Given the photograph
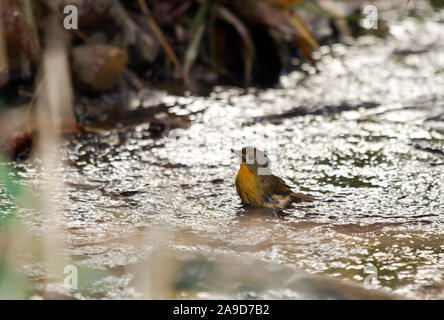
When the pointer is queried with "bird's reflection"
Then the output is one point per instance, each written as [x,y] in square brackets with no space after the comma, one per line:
[245,212]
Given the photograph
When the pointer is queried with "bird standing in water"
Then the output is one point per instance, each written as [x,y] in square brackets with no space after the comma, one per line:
[258,187]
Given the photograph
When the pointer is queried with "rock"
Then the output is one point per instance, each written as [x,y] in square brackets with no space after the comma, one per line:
[20,146]
[19,38]
[99,66]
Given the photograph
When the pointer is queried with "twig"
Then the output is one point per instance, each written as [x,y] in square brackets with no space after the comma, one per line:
[129,26]
[242,30]
[133,79]
[169,51]
[198,28]
[34,96]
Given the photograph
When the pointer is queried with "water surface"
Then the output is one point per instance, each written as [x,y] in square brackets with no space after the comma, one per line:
[364,134]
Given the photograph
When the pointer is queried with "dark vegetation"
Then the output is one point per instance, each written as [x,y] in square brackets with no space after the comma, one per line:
[127,46]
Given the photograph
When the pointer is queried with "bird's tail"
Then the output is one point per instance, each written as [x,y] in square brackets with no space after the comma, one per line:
[299,197]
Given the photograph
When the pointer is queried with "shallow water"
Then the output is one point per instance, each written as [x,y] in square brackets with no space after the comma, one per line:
[378,173]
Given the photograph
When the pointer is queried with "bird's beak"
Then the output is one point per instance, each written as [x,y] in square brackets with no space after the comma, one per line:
[237,152]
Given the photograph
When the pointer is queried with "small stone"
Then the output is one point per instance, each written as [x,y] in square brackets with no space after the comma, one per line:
[99,66]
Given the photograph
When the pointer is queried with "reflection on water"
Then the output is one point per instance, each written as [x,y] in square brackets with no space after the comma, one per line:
[377,171]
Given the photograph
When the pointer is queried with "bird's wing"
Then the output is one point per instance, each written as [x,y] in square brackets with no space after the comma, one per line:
[276,186]
[280,185]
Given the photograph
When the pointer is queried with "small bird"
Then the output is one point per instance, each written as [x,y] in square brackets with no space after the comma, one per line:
[258,187]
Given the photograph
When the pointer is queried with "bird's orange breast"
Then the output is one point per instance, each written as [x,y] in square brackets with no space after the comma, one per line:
[248,186]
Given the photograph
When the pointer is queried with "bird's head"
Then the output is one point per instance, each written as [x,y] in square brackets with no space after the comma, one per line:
[253,158]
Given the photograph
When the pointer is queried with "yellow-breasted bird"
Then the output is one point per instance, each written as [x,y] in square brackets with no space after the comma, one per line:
[257,186]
